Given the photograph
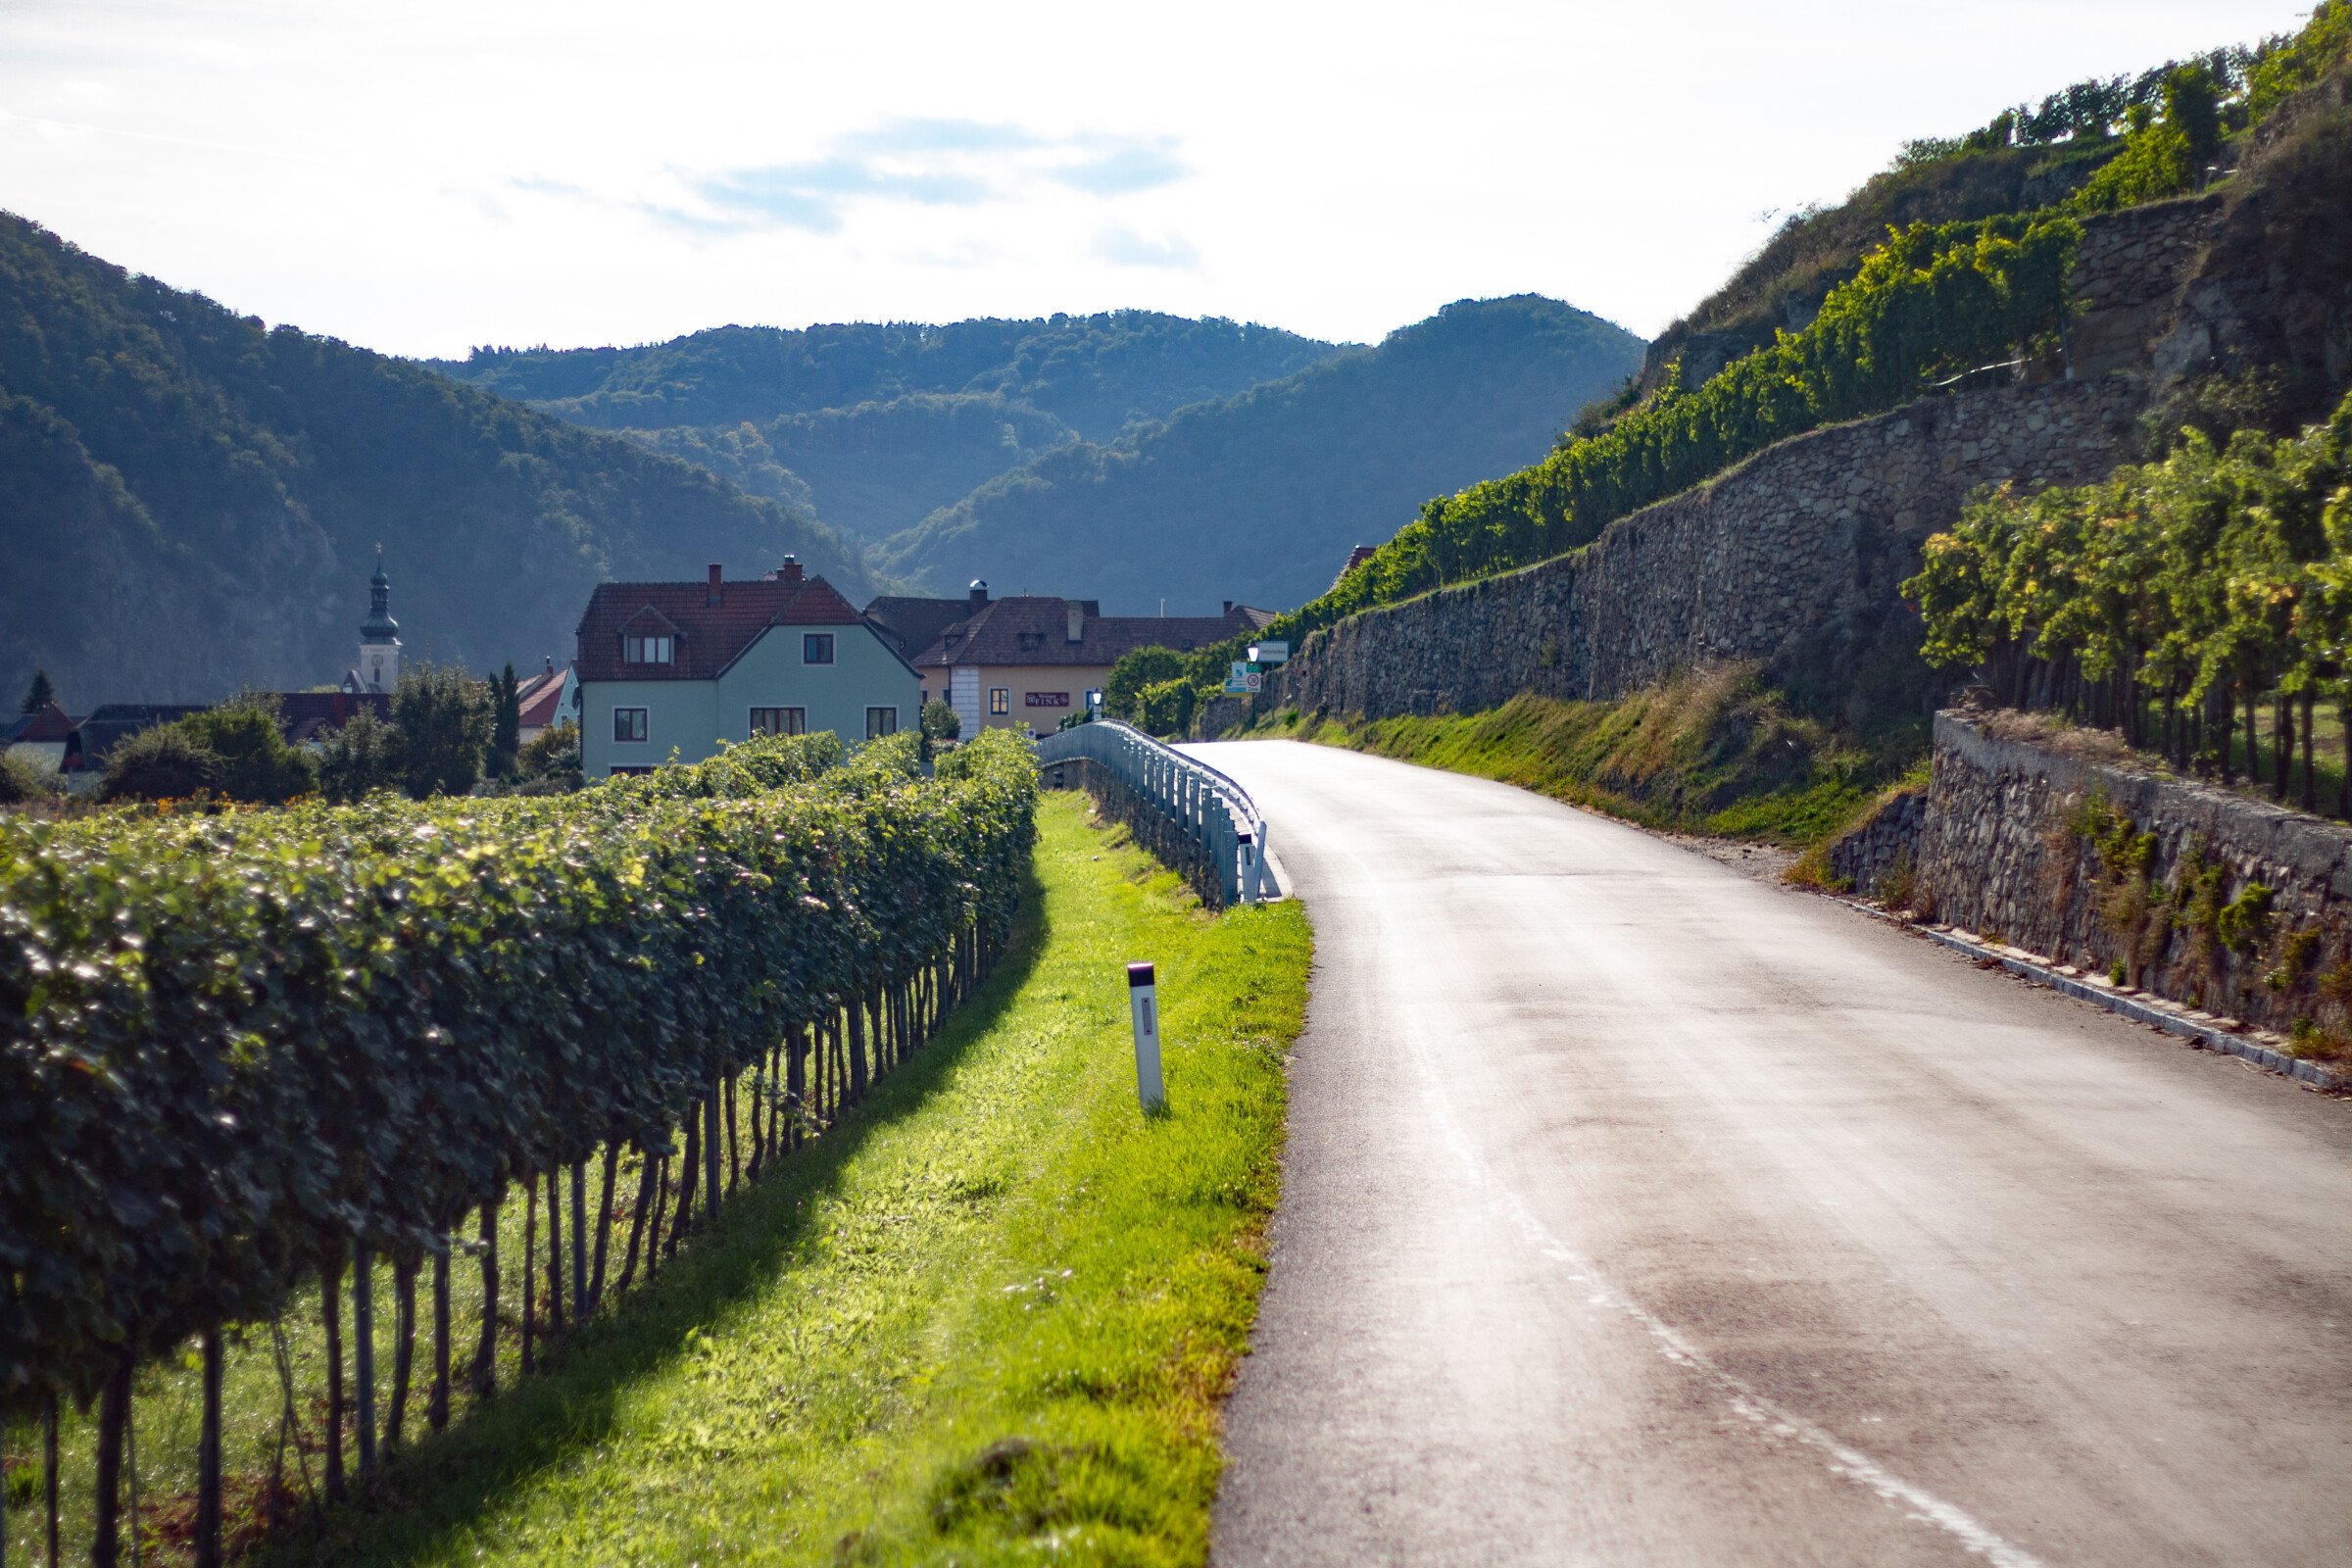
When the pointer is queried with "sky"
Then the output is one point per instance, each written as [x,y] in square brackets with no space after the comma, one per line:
[424,176]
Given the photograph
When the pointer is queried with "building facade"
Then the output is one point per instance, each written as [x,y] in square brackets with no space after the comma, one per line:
[668,670]
[1028,663]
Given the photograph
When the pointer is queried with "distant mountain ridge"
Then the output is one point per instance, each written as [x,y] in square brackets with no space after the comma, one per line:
[1259,497]
[1110,457]
[190,502]
[874,426]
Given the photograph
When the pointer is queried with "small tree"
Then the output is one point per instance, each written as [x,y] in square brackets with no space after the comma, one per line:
[941,721]
[40,694]
[364,756]
[1164,708]
[444,715]
[1135,671]
[505,724]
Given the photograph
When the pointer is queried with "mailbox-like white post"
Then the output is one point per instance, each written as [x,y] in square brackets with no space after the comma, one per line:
[1143,1005]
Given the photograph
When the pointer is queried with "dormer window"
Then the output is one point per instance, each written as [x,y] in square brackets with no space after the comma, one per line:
[636,650]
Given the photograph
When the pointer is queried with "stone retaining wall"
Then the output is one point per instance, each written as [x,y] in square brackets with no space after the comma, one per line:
[1879,855]
[2055,842]
[1791,559]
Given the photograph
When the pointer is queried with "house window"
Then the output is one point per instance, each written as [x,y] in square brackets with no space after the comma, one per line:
[999,699]
[628,723]
[635,650]
[881,721]
[630,772]
[779,721]
[816,648]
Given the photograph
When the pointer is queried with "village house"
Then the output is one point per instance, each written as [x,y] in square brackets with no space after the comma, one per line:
[539,701]
[1031,660]
[672,668]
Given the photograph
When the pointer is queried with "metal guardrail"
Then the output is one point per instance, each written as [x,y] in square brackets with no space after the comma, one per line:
[1202,807]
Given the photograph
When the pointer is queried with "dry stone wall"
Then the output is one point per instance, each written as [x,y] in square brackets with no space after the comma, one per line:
[2057,844]
[1791,559]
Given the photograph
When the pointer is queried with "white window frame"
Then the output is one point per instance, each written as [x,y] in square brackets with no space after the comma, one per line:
[786,718]
[656,648]
[644,725]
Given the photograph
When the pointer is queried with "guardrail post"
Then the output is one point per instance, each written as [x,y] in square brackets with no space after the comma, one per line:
[1229,872]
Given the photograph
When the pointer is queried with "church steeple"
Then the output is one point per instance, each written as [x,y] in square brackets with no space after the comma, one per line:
[379,634]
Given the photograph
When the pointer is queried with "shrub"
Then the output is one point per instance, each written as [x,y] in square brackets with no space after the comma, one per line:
[364,756]
[163,764]
[551,755]
[256,761]
[21,781]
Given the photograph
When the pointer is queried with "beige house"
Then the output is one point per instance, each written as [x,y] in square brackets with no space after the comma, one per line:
[1032,660]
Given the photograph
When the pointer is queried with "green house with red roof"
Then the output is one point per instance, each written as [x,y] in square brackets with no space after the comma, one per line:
[667,671]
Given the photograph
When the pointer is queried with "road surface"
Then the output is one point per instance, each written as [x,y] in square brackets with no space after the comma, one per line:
[1638,1213]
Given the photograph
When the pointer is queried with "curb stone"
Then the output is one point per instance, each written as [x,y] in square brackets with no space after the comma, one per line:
[2189,1026]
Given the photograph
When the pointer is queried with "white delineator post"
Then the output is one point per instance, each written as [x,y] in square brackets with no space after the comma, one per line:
[1142,1005]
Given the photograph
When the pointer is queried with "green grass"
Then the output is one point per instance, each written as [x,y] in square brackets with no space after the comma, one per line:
[988,1318]
[1713,752]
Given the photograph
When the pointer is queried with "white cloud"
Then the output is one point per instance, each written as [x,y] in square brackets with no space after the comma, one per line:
[444,173]
[1124,247]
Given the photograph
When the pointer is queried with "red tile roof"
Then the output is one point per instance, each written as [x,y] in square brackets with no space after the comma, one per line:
[540,697]
[48,723]
[1036,630]
[1355,557]
[709,637]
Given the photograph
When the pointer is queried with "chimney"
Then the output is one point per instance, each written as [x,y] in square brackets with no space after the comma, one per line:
[978,594]
[1227,607]
[551,664]
[710,598]
[1077,619]
[790,573]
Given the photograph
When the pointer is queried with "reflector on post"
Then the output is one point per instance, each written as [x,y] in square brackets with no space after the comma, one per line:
[1142,1005]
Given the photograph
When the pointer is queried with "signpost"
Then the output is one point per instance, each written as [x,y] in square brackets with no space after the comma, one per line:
[1245,677]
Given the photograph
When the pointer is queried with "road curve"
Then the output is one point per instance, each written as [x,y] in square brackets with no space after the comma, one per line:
[1638,1213]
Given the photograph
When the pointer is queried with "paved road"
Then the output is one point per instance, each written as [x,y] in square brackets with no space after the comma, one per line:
[1637,1212]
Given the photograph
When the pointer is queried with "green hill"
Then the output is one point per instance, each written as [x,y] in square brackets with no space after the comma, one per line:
[1259,497]
[192,501]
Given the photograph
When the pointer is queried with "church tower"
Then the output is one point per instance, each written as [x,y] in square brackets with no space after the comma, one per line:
[379,634]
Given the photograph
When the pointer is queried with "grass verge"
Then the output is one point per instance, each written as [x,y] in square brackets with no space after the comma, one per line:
[989,1319]
[1712,750]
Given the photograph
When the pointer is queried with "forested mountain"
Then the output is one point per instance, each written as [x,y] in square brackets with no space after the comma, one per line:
[1259,497]
[876,426]
[872,469]
[190,502]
